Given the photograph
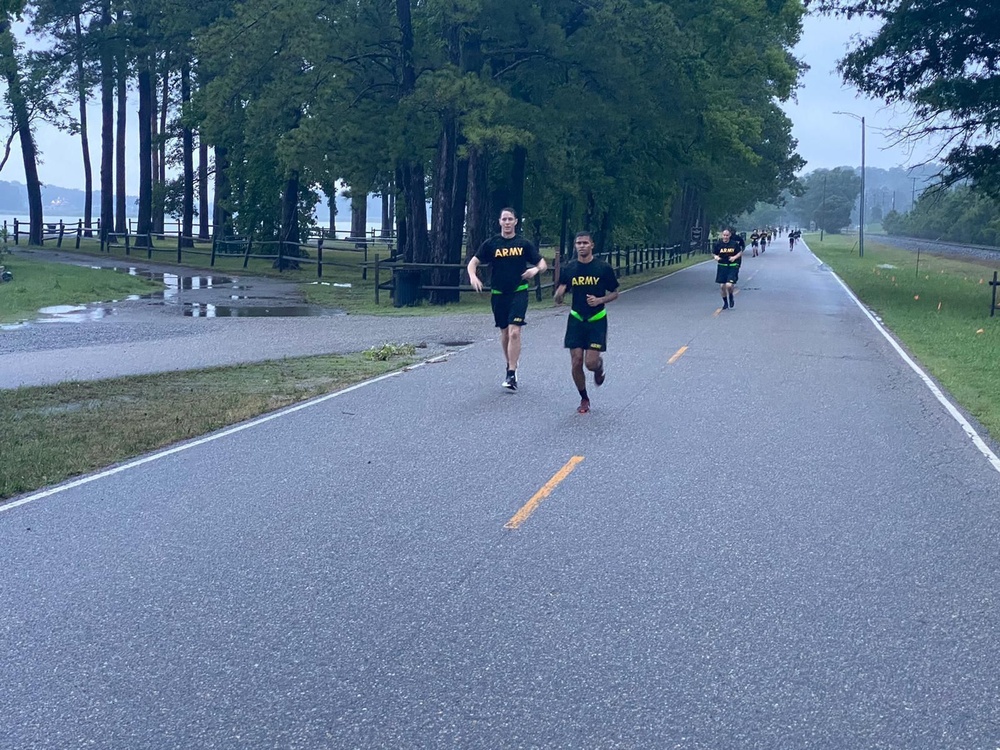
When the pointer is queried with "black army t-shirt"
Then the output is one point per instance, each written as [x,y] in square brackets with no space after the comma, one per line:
[508,258]
[726,250]
[597,278]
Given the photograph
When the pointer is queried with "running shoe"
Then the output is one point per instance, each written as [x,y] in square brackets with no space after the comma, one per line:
[510,383]
[584,406]
[599,376]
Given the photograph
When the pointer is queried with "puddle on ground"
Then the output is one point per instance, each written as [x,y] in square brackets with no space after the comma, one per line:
[73,314]
[197,310]
[175,281]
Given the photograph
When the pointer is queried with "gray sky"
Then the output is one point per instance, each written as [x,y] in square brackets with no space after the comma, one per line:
[825,140]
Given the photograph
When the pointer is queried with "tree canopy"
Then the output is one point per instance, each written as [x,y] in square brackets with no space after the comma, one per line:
[635,119]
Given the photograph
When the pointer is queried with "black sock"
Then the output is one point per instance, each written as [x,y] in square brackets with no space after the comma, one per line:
[583,394]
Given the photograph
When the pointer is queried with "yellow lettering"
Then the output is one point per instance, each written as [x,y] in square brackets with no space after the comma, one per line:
[586,280]
[509,252]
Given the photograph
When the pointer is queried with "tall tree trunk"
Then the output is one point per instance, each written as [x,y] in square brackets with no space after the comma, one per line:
[120,122]
[107,123]
[442,217]
[402,248]
[160,150]
[19,108]
[359,212]
[477,222]
[386,230]
[517,176]
[331,202]
[675,229]
[221,217]
[144,222]
[289,233]
[159,188]
[412,172]
[203,230]
[187,145]
[81,87]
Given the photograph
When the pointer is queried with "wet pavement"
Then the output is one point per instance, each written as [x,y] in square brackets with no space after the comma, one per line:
[191,292]
[200,320]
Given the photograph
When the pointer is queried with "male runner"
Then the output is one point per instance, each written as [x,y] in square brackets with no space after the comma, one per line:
[515,261]
[754,242]
[727,254]
[594,284]
[763,242]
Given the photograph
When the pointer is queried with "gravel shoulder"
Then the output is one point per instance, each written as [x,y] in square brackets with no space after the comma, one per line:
[952,249]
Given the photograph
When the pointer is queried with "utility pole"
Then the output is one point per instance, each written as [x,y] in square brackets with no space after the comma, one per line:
[822,225]
[861,211]
[861,240]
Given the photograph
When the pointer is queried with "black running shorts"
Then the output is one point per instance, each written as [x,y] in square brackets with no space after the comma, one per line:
[581,334]
[727,274]
[510,309]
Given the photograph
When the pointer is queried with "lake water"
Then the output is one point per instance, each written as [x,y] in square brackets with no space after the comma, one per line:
[343,227]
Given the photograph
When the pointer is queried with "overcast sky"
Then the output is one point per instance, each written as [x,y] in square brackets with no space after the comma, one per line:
[825,140]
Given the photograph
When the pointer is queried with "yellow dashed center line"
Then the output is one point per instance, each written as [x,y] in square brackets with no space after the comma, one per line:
[677,355]
[529,507]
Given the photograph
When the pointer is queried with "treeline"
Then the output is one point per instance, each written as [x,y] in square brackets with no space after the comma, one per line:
[636,119]
[962,214]
[830,199]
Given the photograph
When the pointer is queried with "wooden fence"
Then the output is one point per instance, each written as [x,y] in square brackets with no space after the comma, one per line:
[626,261]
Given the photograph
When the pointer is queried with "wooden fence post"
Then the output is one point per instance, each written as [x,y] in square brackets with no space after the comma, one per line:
[376,278]
[994,284]
[319,257]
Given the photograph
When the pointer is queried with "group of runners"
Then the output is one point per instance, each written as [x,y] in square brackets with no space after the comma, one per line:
[590,281]
[591,284]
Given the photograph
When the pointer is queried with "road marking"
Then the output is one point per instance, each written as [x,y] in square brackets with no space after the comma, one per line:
[529,507]
[677,355]
[931,385]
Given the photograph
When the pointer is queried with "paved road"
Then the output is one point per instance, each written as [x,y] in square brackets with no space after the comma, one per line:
[779,540]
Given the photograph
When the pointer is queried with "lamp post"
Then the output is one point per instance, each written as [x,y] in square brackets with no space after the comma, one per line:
[861,211]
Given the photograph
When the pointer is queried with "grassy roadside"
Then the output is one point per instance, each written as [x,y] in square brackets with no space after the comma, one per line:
[49,434]
[939,310]
[39,284]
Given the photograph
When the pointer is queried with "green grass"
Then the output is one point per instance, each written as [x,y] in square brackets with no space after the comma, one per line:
[40,284]
[52,433]
[940,311]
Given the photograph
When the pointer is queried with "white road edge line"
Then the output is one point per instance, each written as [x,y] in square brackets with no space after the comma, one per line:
[201,441]
[931,385]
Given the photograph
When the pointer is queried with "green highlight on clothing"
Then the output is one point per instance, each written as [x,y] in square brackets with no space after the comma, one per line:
[591,319]
[522,288]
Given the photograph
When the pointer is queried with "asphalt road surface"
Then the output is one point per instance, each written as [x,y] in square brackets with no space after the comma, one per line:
[768,533]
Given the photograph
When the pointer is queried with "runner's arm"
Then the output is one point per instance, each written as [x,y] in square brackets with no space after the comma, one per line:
[474,279]
[560,293]
[539,267]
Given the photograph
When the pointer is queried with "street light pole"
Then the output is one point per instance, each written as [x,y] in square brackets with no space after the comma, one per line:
[861,211]
[861,236]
